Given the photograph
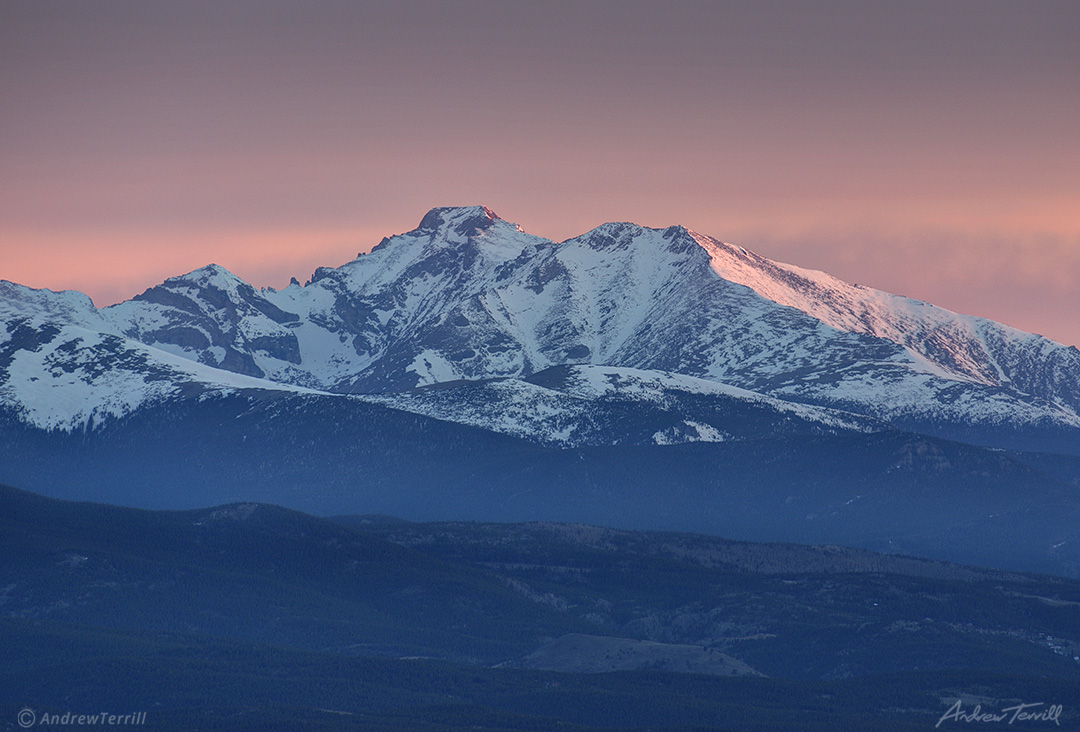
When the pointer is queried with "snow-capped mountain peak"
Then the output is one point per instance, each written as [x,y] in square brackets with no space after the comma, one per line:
[469,295]
[211,275]
[464,221]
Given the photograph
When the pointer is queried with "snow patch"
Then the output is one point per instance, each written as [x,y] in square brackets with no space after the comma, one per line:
[432,367]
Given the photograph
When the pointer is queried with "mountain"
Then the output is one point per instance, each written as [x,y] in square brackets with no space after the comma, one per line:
[469,296]
[644,378]
[250,616]
[776,607]
[257,573]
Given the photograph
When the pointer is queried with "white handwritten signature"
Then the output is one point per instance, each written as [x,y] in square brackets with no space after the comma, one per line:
[1020,712]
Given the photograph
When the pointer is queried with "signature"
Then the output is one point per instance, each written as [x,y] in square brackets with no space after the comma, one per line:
[1017,713]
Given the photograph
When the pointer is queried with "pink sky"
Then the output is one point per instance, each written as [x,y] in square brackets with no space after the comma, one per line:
[925,148]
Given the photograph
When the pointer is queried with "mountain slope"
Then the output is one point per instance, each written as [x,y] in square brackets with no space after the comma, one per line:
[212,316]
[960,346]
[573,406]
[57,376]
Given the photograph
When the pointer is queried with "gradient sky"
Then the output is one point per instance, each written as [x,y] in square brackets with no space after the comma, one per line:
[926,148]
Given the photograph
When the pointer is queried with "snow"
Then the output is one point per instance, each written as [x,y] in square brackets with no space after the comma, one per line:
[186,353]
[432,368]
[63,385]
[573,414]
[701,433]
[18,302]
[510,406]
[52,399]
[386,264]
[142,317]
[656,387]
[212,275]
[616,294]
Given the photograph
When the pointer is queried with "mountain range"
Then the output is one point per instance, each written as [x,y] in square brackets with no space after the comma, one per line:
[634,377]
[254,617]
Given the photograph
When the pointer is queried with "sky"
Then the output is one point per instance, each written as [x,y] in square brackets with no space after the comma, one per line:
[930,149]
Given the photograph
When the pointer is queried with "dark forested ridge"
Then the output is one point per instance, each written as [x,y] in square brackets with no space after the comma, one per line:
[889,491]
[250,616]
